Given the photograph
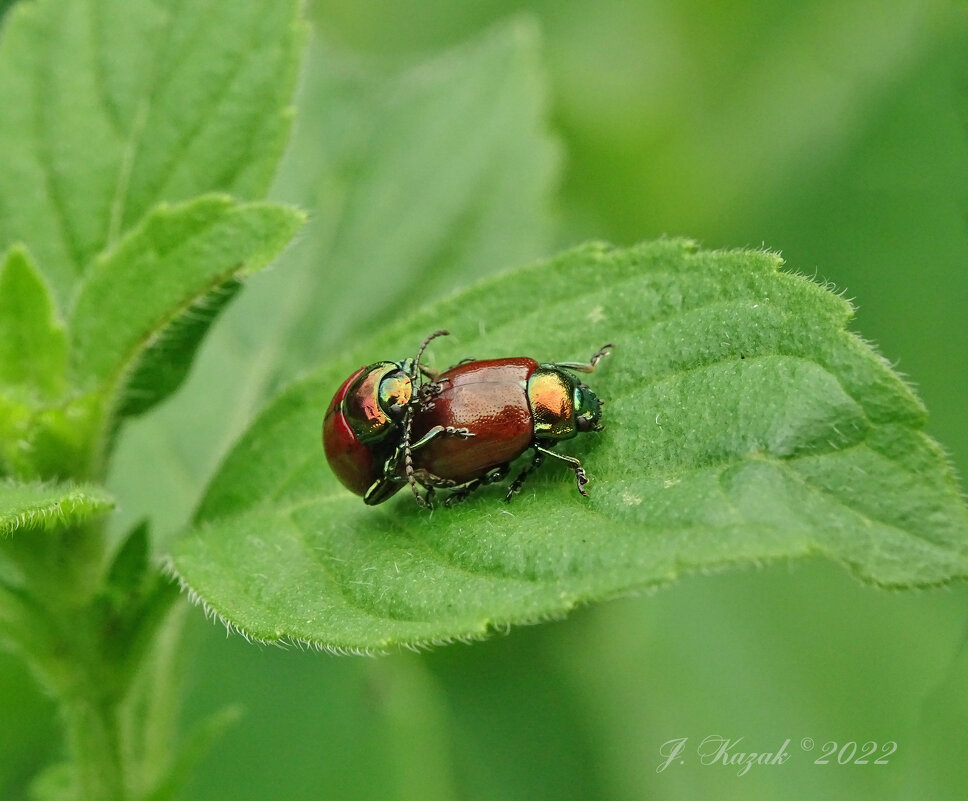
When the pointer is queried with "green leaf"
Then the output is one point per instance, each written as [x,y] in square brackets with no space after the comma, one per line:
[743,424]
[146,288]
[165,363]
[112,106]
[33,345]
[37,506]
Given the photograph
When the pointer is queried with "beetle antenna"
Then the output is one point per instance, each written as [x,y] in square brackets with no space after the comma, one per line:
[415,370]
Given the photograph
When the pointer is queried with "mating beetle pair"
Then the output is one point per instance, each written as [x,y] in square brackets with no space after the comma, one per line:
[458,429]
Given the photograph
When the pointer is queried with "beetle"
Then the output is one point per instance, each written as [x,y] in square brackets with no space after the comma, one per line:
[459,429]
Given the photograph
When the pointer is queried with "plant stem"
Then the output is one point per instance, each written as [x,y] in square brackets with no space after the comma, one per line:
[104,648]
[95,748]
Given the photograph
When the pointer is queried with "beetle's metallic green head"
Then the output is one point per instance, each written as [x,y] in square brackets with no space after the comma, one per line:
[588,409]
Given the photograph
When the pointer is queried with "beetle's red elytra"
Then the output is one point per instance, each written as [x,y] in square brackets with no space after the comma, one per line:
[396,423]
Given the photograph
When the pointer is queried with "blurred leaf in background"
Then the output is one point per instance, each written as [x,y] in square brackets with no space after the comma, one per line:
[29,731]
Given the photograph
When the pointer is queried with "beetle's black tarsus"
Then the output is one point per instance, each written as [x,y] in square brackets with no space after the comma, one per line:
[536,460]
[461,491]
[580,476]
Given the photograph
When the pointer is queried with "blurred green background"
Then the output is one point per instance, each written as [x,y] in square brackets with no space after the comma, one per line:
[834,131]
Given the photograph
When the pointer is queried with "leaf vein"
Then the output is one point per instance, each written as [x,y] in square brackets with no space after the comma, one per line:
[210,114]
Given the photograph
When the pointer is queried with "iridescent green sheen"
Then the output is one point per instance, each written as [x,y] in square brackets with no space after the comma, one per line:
[375,402]
[552,394]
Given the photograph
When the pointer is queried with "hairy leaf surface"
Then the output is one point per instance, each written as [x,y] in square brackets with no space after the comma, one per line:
[29,506]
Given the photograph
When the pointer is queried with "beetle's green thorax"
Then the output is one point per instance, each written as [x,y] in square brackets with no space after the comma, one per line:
[375,403]
[561,405]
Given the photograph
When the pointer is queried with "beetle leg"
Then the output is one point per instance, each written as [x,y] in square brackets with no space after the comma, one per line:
[430,483]
[437,431]
[434,388]
[580,475]
[381,489]
[581,367]
[404,452]
[496,474]
[461,491]
[430,480]
[426,480]
[537,459]
[427,393]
